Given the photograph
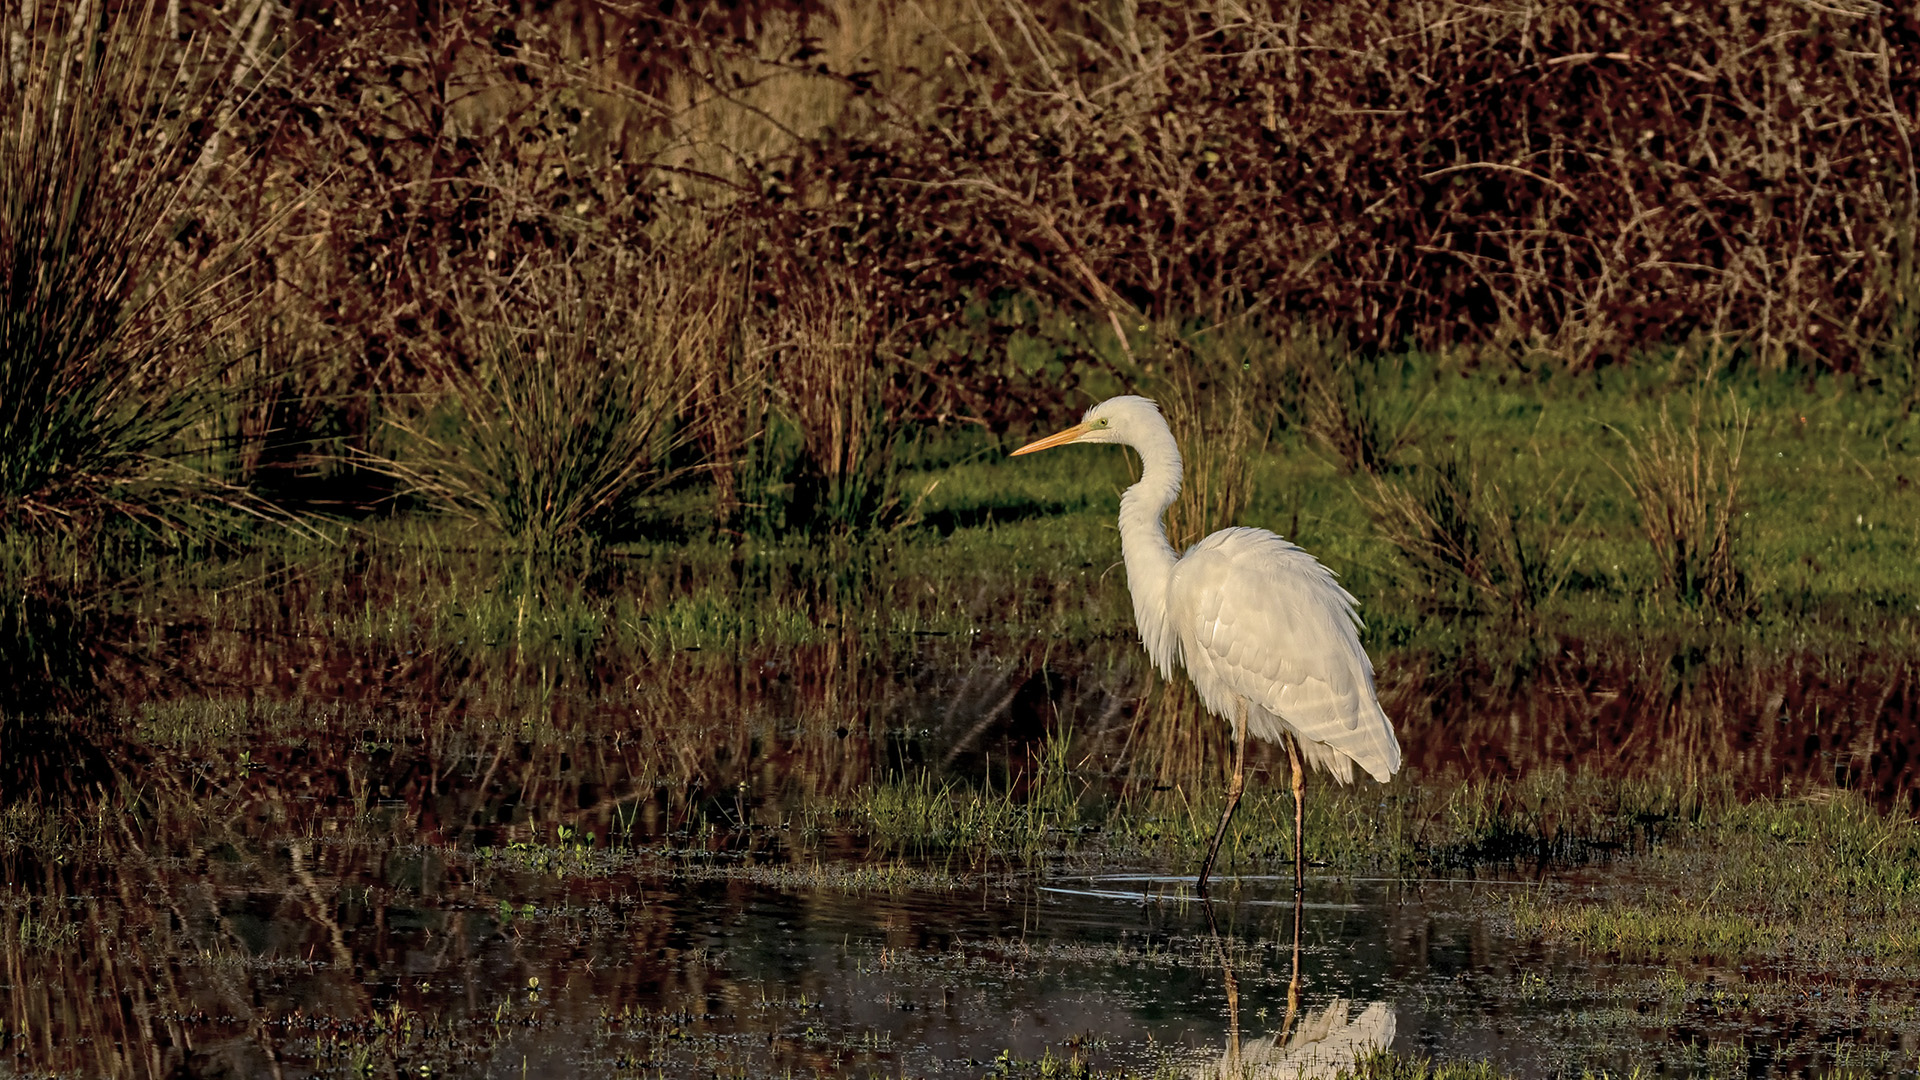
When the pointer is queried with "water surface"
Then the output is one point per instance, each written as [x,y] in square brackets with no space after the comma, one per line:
[257,838]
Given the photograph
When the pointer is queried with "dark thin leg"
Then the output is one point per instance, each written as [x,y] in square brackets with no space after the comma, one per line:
[1234,787]
[1293,987]
[1233,995]
[1299,817]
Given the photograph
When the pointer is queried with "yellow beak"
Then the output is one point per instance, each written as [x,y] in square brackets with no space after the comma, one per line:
[1058,438]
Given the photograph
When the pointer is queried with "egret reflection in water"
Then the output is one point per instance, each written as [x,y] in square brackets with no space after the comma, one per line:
[1322,1043]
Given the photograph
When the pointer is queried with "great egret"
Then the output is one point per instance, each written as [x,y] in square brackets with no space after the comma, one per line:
[1329,1042]
[1267,635]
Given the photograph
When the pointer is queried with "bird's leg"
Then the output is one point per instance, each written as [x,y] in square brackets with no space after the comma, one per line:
[1293,987]
[1234,787]
[1299,815]
[1233,996]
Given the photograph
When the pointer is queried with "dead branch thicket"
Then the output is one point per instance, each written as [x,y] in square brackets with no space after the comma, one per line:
[1576,181]
[1567,182]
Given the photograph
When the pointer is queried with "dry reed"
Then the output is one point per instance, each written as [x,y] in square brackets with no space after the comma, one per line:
[1565,183]
[1688,491]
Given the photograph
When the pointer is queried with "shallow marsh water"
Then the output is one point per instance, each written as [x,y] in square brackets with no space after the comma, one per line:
[255,844]
[348,956]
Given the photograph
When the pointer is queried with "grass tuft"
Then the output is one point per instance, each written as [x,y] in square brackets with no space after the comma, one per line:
[1688,491]
[1467,539]
[830,378]
[1347,404]
[112,279]
[571,410]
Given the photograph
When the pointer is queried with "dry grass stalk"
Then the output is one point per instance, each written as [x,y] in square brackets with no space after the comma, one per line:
[1175,742]
[570,410]
[1175,160]
[1462,534]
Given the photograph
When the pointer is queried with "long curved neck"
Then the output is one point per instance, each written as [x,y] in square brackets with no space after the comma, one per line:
[1143,542]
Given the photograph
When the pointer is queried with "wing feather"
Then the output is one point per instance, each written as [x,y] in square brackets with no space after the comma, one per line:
[1258,618]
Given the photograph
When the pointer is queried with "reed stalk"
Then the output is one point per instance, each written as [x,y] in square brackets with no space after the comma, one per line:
[1686,483]
[114,280]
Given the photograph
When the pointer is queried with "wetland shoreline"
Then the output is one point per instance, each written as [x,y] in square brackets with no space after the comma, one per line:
[402,801]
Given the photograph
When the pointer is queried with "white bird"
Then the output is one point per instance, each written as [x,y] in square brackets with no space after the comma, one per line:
[1268,637]
[1327,1044]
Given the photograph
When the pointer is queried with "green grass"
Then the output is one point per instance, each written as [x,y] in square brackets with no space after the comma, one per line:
[1827,540]
[1641,931]
[1816,878]
[1018,560]
[1387,1065]
[1035,814]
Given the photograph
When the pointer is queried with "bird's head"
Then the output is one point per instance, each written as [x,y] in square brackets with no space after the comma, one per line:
[1126,419]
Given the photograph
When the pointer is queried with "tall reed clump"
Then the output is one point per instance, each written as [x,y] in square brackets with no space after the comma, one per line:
[567,400]
[114,278]
[1473,542]
[1688,490]
[834,380]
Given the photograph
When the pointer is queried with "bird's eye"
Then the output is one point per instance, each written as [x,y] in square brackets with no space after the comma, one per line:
[1102,422]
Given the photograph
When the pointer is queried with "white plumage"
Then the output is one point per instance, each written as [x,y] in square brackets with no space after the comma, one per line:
[1328,1043]
[1259,625]
[1260,619]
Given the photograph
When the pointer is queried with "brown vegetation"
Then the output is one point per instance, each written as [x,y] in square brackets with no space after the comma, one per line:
[1688,491]
[1563,182]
